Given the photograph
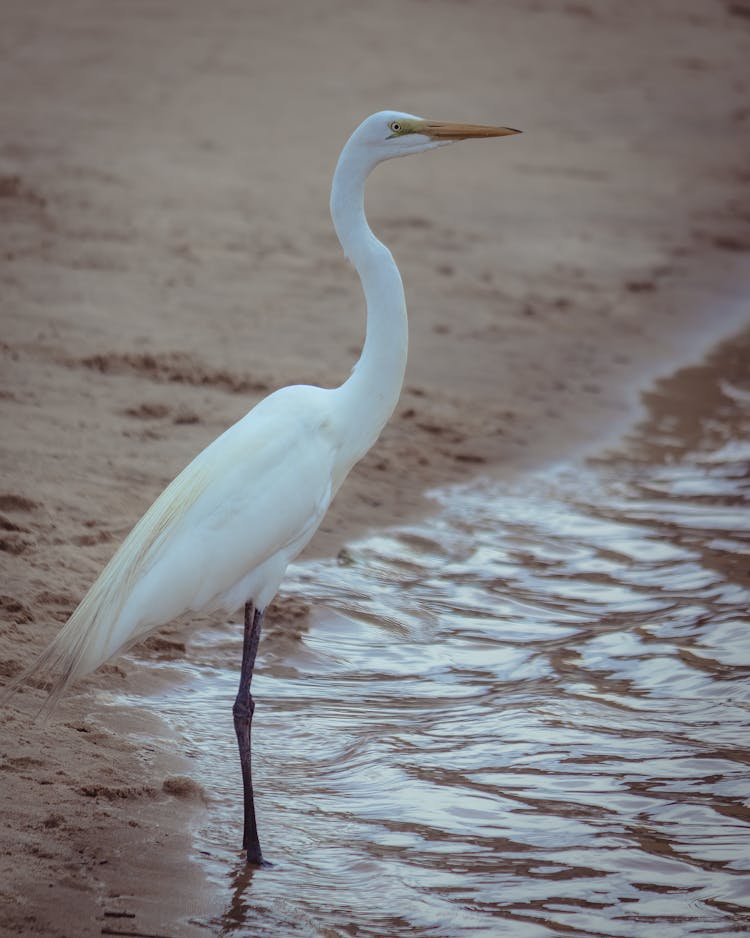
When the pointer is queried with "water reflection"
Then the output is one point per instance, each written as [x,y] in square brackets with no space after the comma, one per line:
[525,716]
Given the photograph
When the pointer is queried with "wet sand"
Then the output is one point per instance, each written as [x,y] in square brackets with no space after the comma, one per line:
[167,259]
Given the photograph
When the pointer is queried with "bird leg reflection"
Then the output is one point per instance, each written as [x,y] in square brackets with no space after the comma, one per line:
[243,709]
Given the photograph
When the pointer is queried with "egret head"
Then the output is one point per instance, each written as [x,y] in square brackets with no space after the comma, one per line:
[388,134]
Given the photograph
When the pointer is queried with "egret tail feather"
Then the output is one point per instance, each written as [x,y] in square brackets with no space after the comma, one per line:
[95,632]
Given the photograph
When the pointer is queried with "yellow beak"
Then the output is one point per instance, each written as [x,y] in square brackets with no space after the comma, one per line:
[444,130]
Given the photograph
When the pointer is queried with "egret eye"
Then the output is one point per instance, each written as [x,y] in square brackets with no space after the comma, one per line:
[395,127]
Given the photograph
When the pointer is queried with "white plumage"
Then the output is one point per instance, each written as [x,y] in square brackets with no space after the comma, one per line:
[223,532]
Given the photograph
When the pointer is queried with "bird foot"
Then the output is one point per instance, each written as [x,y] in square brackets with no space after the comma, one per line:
[253,859]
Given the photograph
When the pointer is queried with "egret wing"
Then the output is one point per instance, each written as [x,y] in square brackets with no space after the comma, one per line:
[247,503]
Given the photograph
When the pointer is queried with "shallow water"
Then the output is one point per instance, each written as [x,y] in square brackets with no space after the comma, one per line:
[525,716]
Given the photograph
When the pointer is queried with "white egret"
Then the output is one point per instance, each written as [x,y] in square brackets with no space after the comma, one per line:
[223,532]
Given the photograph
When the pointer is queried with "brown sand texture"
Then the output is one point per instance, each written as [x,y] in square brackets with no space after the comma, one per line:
[167,258]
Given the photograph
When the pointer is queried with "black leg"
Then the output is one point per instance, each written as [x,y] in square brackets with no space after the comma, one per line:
[243,709]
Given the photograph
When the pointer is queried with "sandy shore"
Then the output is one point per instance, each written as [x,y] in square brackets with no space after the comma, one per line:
[167,259]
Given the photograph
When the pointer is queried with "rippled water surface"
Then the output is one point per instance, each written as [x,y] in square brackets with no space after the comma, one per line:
[525,716]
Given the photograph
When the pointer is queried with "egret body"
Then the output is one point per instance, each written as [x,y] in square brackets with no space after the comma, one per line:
[223,532]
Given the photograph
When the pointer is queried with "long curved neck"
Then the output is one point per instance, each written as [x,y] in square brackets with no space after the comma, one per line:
[370,394]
